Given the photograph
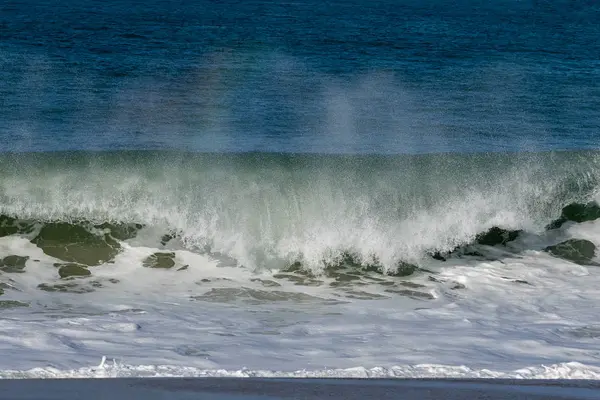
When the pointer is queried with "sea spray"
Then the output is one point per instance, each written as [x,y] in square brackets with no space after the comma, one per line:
[266,211]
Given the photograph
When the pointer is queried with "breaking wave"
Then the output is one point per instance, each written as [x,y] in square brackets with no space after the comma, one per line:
[266,210]
[568,370]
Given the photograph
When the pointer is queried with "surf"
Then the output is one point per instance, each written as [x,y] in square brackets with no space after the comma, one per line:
[265,211]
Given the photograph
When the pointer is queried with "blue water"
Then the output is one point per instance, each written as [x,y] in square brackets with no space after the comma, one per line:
[353,76]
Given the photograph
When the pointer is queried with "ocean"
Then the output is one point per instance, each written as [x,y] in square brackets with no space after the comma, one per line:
[312,189]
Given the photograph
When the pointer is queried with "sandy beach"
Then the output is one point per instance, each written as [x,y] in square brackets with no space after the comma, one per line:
[271,389]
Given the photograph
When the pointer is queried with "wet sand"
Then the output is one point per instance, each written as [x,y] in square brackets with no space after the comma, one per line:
[307,389]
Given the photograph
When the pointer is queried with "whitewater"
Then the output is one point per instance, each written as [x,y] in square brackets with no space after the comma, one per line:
[259,264]
[391,189]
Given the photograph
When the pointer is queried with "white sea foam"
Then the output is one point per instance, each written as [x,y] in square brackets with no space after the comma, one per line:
[570,370]
[511,307]
[524,309]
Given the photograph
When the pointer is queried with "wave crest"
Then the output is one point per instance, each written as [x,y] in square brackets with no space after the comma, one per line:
[271,210]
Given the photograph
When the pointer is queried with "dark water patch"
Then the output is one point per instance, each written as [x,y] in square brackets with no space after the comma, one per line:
[584,332]
[76,285]
[8,284]
[13,264]
[225,334]
[207,280]
[376,279]
[495,236]
[522,282]
[579,251]
[348,267]
[413,294]
[576,212]
[411,285]
[167,237]
[254,296]
[360,295]
[299,279]
[69,287]
[76,244]
[160,260]
[474,253]
[438,255]
[72,270]
[128,311]
[5,304]
[344,277]
[519,281]
[264,331]
[130,35]
[385,283]
[457,286]
[266,282]
[191,351]
[347,273]
[297,268]
[401,269]
[453,285]
[120,231]
[347,284]
[13,226]
[492,237]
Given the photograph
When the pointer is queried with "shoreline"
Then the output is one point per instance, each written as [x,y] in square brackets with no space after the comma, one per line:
[296,388]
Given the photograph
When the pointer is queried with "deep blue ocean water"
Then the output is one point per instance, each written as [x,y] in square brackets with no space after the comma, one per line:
[401,76]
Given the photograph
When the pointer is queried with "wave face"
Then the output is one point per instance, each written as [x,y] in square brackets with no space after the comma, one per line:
[265,211]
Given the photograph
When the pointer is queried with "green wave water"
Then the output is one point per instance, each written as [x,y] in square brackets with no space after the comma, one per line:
[267,210]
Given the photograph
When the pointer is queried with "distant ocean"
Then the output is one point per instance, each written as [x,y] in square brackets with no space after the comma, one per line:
[348,188]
